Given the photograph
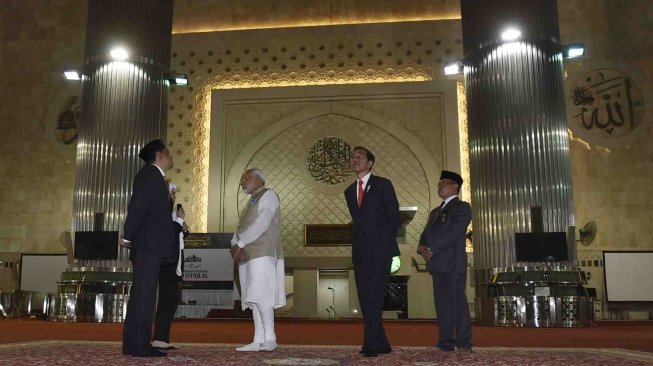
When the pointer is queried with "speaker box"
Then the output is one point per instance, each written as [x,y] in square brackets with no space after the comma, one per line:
[396,298]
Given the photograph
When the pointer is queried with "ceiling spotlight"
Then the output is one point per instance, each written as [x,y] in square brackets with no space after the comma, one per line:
[573,50]
[178,79]
[453,68]
[72,74]
[119,54]
[511,34]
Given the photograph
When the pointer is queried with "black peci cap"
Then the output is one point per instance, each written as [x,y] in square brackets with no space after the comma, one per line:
[452,176]
[148,152]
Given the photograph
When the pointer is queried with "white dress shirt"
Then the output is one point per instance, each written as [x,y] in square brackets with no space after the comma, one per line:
[448,200]
[180,221]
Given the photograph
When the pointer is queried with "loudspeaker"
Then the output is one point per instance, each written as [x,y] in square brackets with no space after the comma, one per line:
[98,221]
[396,297]
[537,223]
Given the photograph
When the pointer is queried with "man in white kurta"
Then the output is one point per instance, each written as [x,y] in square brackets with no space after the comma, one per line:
[256,247]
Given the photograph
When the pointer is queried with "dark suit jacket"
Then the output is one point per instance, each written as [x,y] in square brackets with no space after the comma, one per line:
[147,224]
[444,234]
[376,221]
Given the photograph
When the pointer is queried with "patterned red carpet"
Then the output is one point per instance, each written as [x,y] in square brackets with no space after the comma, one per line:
[52,353]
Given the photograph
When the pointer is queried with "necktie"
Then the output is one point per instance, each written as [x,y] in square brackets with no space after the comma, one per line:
[360,193]
[436,214]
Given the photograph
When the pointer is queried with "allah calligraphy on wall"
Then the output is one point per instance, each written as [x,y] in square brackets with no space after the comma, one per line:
[328,161]
[605,108]
[64,117]
[67,120]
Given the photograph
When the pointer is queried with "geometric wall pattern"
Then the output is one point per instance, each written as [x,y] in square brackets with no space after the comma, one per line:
[303,201]
[341,54]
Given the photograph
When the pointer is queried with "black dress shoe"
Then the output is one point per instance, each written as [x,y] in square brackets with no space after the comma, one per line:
[381,351]
[444,349]
[150,353]
[370,354]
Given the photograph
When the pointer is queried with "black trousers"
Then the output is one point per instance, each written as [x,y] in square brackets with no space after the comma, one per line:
[168,302]
[452,310]
[137,330]
[371,282]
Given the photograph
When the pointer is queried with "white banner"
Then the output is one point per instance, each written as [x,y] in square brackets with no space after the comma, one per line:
[208,265]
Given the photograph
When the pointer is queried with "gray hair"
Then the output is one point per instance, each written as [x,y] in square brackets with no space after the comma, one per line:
[257,172]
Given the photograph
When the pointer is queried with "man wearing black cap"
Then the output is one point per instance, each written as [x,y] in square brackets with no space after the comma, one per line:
[374,210]
[150,235]
[442,244]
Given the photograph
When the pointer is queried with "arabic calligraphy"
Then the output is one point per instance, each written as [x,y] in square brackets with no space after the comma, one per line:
[607,102]
[66,130]
[328,161]
[328,234]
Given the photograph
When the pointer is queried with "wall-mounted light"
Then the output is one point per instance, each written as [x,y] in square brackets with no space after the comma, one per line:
[453,68]
[510,34]
[119,54]
[72,74]
[178,79]
[573,50]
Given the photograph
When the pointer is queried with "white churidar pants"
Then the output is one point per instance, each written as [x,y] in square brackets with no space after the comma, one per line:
[262,285]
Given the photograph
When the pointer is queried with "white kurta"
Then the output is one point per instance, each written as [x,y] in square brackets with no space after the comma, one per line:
[262,280]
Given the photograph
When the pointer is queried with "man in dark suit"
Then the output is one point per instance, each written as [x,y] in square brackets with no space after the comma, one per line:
[442,244]
[151,237]
[169,280]
[374,210]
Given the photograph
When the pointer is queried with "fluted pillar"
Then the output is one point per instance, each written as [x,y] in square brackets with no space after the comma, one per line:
[519,148]
[124,105]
